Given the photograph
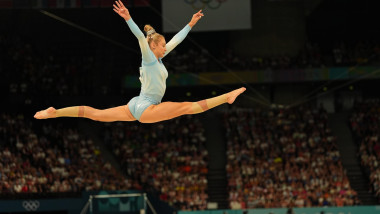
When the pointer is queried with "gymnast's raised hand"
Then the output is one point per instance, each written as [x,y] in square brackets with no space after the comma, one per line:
[120,9]
[196,18]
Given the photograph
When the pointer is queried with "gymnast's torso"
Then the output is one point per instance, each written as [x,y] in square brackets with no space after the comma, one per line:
[153,73]
[153,79]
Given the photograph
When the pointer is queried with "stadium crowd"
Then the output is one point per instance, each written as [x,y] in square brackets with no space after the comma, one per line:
[51,158]
[365,124]
[168,159]
[284,158]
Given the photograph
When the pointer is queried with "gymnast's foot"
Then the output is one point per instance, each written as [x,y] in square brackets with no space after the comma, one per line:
[45,114]
[233,94]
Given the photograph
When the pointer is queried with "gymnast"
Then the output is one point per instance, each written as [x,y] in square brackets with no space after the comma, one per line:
[147,107]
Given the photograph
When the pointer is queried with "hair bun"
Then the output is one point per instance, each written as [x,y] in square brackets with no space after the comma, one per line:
[148,29]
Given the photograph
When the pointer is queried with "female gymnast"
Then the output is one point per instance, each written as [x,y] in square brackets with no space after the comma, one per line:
[147,107]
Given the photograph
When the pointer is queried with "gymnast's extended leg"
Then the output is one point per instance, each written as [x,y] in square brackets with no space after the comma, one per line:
[169,110]
[120,113]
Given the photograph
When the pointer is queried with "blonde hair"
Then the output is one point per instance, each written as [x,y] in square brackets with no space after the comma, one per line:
[151,34]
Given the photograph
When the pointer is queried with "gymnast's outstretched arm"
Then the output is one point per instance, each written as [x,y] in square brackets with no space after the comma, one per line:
[180,36]
[147,56]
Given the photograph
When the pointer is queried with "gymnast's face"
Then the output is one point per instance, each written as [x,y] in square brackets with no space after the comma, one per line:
[159,48]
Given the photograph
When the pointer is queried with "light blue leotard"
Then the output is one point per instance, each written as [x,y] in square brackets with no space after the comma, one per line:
[153,73]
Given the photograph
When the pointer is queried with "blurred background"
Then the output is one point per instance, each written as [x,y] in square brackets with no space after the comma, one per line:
[305,134]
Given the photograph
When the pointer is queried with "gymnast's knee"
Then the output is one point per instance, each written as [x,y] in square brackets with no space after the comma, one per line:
[187,107]
[93,114]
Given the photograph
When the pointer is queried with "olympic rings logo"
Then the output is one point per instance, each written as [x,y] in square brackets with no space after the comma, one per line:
[31,205]
[201,4]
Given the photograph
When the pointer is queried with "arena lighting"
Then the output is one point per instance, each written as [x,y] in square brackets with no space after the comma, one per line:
[188,94]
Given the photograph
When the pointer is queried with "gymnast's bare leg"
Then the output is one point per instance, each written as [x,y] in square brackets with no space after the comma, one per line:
[153,114]
[120,113]
[169,110]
